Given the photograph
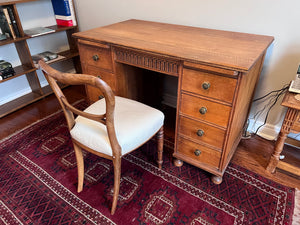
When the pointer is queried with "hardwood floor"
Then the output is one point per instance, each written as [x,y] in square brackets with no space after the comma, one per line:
[253,154]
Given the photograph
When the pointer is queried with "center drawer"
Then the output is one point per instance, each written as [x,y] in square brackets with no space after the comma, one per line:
[206,110]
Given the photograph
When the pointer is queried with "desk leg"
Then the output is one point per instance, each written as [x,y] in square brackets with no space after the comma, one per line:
[288,122]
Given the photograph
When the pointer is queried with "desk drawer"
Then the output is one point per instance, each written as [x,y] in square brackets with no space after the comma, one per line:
[94,93]
[218,87]
[215,112]
[201,132]
[191,150]
[93,55]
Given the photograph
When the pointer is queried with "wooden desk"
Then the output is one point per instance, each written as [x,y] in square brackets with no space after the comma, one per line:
[291,124]
[216,71]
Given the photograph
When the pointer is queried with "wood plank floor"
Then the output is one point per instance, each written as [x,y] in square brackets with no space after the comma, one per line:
[253,154]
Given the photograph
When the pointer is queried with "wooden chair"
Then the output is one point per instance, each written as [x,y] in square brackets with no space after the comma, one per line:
[110,128]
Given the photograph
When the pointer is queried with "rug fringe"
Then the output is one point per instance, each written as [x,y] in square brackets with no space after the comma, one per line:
[296,215]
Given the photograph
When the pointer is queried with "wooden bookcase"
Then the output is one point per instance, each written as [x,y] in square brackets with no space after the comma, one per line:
[27,67]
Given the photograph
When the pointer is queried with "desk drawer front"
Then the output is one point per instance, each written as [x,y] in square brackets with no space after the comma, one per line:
[96,56]
[213,86]
[147,61]
[94,93]
[202,132]
[215,112]
[199,152]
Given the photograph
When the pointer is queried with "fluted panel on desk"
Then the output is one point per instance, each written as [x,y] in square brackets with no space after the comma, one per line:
[147,61]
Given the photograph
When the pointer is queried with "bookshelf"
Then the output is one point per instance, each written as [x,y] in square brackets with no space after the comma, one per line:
[27,67]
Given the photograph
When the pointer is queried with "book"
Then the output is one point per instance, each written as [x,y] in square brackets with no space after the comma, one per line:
[64,12]
[72,12]
[5,11]
[61,7]
[4,24]
[65,23]
[13,21]
[33,32]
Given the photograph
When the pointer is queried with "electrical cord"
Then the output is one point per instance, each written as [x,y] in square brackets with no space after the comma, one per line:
[274,100]
[283,88]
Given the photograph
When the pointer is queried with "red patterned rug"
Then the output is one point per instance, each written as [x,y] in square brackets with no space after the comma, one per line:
[38,180]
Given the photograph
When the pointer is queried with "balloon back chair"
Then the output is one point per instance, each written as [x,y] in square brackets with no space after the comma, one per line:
[111,127]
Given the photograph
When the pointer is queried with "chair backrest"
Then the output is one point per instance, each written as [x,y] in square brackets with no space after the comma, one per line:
[107,119]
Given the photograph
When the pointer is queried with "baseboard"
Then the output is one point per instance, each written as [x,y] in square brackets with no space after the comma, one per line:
[268,131]
[24,91]
[169,100]
[19,93]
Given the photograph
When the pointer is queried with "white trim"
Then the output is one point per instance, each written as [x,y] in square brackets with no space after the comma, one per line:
[19,93]
[169,100]
[268,131]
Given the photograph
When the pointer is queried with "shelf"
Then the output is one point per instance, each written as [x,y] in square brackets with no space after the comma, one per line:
[20,70]
[27,67]
[11,40]
[10,2]
[56,30]
[25,100]
[19,103]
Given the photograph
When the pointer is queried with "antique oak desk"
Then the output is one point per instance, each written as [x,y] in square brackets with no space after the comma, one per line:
[216,72]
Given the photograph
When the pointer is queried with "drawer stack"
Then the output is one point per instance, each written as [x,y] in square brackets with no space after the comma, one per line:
[96,59]
[205,106]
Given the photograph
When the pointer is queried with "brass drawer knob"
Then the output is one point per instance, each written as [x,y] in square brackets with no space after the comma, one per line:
[95,58]
[197,152]
[200,132]
[205,85]
[203,110]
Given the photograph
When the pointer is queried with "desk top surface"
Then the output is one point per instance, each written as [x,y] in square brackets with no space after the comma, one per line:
[231,50]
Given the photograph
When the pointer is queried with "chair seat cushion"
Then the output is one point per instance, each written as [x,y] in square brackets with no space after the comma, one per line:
[135,123]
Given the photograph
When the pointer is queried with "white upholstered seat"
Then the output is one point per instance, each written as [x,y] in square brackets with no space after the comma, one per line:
[135,123]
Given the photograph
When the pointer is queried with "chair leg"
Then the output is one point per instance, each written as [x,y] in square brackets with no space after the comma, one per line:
[117,177]
[80,167]
[160,146]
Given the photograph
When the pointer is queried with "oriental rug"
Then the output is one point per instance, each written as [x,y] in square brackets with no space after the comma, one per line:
[38,180]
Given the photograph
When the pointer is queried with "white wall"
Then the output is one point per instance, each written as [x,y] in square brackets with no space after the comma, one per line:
[277,18]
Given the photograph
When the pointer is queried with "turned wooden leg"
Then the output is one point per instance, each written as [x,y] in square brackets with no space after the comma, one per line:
[216,179]
[288,122]
[117,178]
[178,162]
[277,151]
[160,146]
[80,167]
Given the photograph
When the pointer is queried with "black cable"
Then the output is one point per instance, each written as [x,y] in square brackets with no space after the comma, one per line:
[283,88]
[277,97]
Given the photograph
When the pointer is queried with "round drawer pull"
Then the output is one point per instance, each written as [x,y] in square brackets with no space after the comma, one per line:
[95,58]
[205,85]
[197,152]
[203,110]
[200,132]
